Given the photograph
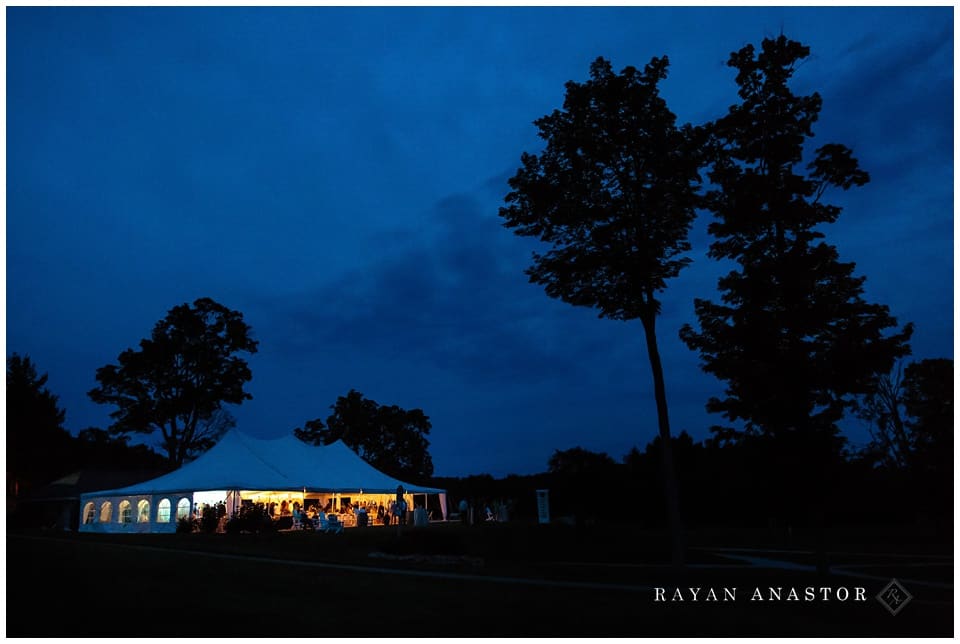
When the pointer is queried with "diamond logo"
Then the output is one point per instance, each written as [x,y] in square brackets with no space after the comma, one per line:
[894,597]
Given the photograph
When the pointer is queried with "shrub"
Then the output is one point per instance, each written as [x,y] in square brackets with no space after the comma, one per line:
[209,520]
[250,518]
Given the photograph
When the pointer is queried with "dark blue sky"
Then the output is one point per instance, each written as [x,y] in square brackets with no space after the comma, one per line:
[335,174]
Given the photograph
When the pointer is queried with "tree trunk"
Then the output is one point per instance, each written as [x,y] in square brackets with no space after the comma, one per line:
[663,423]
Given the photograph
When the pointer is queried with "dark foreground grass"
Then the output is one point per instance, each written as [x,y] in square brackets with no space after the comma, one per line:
[493,583]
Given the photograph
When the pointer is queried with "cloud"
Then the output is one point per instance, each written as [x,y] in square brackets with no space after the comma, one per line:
[454,298]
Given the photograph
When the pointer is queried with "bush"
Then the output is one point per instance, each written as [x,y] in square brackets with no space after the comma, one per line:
[250,518]
[209,520]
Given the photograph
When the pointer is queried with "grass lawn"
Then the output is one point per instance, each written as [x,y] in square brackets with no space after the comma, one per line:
[442,581]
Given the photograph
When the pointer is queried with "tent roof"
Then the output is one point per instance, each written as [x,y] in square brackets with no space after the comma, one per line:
[241,462]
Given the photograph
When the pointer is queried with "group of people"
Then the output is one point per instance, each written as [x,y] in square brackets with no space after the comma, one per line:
[288,508]
[394,513]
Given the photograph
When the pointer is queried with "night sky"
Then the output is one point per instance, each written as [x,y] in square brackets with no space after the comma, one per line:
[335,175]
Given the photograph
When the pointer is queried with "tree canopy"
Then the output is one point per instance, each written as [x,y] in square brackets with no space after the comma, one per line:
[37,443]
[179,379]
[392,439]
[910,412]
[614,193]
[578,460]
[97,448]
[793,337]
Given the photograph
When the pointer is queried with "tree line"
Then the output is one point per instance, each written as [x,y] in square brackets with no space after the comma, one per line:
[737,489]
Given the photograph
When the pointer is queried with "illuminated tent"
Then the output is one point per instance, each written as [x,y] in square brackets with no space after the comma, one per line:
[242,468]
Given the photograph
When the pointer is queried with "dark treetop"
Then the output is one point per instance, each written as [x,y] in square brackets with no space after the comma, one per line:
[793,338]
[179,379]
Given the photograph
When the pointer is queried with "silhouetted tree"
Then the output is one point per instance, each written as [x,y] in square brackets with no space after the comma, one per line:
[882,409]
[911,416]
[392,439]
[576,475]
[793,338]
[313,432]
[98,448]
[693,471]
[209,431]
[179,379]
[614,193]
[577,460]
[928,401]
[37,444]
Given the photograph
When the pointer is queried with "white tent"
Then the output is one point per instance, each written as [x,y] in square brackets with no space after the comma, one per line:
[237,468]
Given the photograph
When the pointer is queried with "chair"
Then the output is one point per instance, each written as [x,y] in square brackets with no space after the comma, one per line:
[330,525]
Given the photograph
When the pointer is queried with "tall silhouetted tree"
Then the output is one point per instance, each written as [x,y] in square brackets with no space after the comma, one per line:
[392,439]
[793,338]
[614,194]
[180,378]
[37,443]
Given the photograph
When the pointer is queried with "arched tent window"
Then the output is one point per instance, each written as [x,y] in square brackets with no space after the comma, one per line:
[163,511]
[126,512]
[106,512]
[183,509]
[88,512]
[143,511]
